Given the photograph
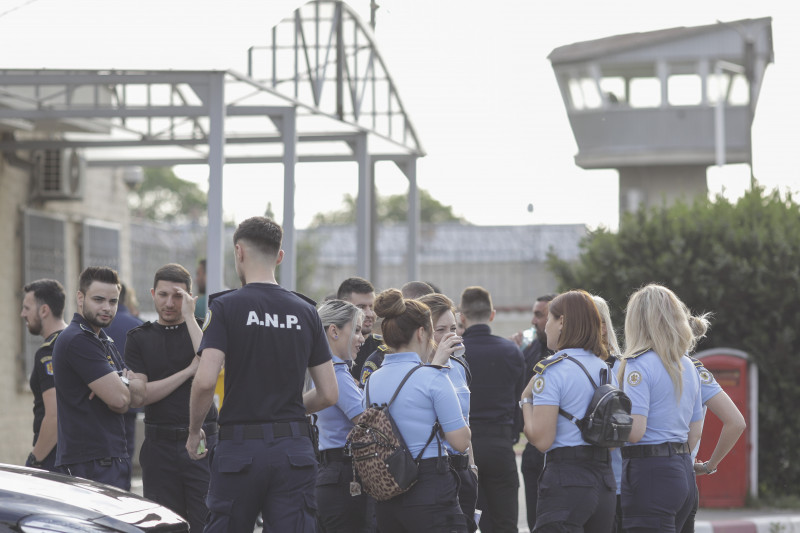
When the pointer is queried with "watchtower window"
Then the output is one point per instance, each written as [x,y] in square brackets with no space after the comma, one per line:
[728,86]
[645,92]
[584,93]
[685,89]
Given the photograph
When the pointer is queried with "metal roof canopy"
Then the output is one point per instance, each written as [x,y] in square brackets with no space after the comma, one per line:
[218,117]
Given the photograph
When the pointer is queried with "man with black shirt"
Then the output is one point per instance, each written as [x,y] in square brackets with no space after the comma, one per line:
[267,337]
[94,388]
[42,309]
[533,459]
[497,370]
[163,356]
[361,293]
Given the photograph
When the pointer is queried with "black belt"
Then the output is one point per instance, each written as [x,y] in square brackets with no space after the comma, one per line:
[458,461]
[579,453]
[664,449]
[263,431]
[334,455]
[156,431]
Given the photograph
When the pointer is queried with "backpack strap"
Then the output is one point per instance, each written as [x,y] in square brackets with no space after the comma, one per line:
[403,382]
[603,381]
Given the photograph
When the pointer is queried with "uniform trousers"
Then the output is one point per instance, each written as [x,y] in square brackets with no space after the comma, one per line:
[577,491]
[498,480]
[467,491]
[171,478]
[114,471]
[268,468]
[429,506]
[658,493]
[531,467]
[688,526]
[339,511]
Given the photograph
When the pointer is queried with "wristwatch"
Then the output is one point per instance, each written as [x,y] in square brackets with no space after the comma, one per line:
[32,462]
[125,381]
[524,401]
[705,467]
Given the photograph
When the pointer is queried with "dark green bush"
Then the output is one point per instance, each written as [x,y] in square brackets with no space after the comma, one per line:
[741,262]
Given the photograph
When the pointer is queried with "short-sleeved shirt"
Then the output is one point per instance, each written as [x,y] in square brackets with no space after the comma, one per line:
[428,395]
[160,351]
[457,374]
[653,395]
[708,385]
[87,429]
[270,336]
[336,421]
[564,384]
[42,378]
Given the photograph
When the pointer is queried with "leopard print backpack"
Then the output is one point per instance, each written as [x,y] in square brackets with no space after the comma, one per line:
[381,460]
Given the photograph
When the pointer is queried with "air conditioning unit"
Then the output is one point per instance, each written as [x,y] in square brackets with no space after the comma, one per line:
[58,174]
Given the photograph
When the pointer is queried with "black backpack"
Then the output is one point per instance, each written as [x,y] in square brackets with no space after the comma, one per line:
[608,420]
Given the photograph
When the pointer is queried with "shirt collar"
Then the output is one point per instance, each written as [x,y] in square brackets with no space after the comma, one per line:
[402,357]
[84,325]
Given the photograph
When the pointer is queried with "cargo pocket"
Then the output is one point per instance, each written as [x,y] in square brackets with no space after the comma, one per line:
[232,464]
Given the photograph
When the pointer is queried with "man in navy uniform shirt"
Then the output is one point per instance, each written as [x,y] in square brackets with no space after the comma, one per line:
[497,370]
[42,309]
[93,387]
[361,293]
[163,355]
[267,337]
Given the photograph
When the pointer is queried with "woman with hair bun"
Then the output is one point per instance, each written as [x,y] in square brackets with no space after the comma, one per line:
[658,488]
[337,510]
[431,504]
[576,487]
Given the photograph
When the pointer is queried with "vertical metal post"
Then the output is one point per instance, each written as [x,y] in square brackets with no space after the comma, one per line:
[375,275]
[216,161]
[750,74]
[719,119]
[289,136]
[409,168]
[363,212]
[340,58]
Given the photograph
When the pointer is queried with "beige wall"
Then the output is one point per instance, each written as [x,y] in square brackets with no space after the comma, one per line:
[104,199]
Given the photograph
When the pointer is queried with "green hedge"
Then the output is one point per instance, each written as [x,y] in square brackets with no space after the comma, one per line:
[740,261]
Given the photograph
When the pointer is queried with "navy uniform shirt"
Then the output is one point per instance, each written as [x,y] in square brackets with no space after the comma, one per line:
[42,378]
[373,363]
[87,429]
[158,352]
[371,344]
[498,371]
[270,336]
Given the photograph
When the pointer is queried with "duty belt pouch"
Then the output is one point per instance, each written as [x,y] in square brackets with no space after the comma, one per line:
[314,430]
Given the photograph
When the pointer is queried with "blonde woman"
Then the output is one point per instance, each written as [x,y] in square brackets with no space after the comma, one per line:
[658,489]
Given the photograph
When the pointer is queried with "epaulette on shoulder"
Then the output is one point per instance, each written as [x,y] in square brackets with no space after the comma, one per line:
[383,348]
[51,341]
[634,356]
[305,298]
[698,364]
[218,294]
[542,365]
[141,327]
[438,367]
[377,337]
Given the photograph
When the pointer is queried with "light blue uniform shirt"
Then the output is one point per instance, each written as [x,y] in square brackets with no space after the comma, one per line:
[565,385]
[458,377]
[427,396]
[650,389]
[335,422]
[708,389]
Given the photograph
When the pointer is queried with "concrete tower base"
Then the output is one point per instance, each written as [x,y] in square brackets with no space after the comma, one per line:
[659,185]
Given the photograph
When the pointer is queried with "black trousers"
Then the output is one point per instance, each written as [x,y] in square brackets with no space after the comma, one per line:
[531,468]
[430,506]
[468,496]
[576,495]
[498,480]
[337,510]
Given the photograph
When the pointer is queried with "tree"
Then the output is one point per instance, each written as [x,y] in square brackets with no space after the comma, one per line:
[164,197]
[740,261]
[392,208]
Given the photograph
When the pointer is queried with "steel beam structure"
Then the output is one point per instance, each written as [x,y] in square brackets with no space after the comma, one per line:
[197,114]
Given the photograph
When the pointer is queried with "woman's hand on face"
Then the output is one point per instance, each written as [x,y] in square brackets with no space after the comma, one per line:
[449,343]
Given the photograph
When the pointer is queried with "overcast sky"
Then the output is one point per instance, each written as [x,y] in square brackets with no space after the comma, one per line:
[473,76]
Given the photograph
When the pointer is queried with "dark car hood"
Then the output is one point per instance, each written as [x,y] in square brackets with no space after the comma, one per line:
[30,491]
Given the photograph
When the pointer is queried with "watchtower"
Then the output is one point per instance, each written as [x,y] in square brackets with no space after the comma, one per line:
[662,106]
